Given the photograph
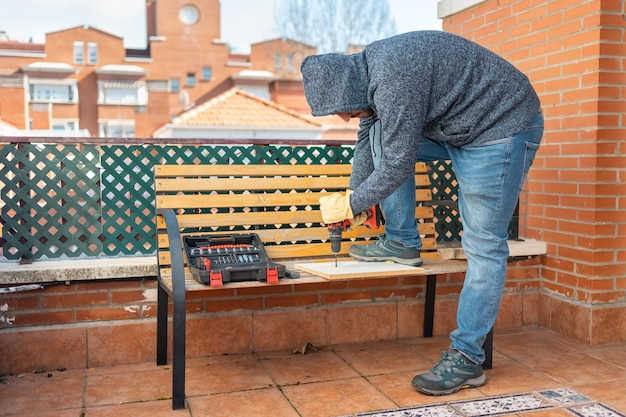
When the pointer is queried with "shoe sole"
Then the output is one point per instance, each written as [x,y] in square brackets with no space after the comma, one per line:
[409,262]
[470,383]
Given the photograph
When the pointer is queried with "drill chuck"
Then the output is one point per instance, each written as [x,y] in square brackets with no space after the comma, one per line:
[335,238]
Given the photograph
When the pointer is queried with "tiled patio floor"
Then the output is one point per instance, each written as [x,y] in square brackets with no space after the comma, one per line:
[333,381]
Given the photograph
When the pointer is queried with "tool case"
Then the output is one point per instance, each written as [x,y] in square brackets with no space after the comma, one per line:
[217,259]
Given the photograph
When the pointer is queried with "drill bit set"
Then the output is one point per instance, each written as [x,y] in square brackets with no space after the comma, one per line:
[217,259]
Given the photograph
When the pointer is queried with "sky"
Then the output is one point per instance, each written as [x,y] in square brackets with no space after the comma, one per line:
[243,21]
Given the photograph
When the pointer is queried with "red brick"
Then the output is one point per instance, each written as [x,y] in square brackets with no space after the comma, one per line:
[373,282]
[43,318]
[75,300]
[341,297]
[21,303]
[406,293]
[234,304]
[607,297]
[578,39]
[108,313]
[532,14]
[321,286]
[292,301]
[497,13]
[443,290]
[581,10]
[547,21]
[97,285]
[561,31]
[265,289]
[210,293]
[125,297]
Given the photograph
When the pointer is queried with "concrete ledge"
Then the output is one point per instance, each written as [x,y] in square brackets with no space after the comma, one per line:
[12,273]
[77,270]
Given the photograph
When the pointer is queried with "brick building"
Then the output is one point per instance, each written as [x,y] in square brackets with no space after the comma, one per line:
[84,78]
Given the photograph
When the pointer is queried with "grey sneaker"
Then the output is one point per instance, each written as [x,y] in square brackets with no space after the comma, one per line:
[384,249]
[452,373]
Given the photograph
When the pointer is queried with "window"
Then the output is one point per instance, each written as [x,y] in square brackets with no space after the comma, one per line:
[191,79]
[92,53]
[66,125]
[79,53]
[207,73]
[116,128]
[278,62]
[290,62]
[175,85]
[122,93]
[52,91]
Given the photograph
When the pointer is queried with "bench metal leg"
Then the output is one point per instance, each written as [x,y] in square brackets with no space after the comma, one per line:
[178,352]
[161,348]
[488,347]
[429,305]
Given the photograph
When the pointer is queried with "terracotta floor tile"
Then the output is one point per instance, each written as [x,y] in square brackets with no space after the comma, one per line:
[577,369]
[613,353]
[72,412]
[33,393]
[510,377]
[311,367]
[141,409]
[399,389]
[527,347]
[385,358]
[611,393]
[324,383]
[267,402]
[336,398]
[114,388]
[124,369]
[242,375]
[205,360]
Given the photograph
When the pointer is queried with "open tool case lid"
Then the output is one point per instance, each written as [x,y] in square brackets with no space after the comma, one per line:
[216,259]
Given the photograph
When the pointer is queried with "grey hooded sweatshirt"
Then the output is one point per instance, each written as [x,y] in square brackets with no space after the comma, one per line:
[426,83]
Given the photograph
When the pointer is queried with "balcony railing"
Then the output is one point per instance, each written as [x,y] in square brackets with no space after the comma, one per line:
[94,197]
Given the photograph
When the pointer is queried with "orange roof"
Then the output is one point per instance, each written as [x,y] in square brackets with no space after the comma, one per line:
[236,108]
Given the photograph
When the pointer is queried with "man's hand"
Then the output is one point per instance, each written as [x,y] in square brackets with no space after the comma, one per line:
[336,208]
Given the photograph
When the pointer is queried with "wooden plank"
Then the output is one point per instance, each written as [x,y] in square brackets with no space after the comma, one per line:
[251,170]
[261,218]
[256,184]
[356,269]
[252,199]
[172,170]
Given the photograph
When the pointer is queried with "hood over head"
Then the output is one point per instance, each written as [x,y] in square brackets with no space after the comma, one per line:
[335,83]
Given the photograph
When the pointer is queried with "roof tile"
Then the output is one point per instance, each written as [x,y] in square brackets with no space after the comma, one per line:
[237,108]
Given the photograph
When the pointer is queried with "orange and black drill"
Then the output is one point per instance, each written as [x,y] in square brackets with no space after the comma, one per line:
[335,230]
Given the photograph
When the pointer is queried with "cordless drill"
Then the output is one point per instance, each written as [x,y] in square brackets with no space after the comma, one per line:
[335,230]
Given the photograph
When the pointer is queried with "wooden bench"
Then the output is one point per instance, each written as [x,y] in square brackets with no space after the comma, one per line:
[280,204]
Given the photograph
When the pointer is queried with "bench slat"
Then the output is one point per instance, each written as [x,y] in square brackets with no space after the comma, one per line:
[251,200]
[256,170]
[260,218]
[260,184]
[304,234]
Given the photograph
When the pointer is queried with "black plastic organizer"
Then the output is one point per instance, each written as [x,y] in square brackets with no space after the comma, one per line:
[217,259]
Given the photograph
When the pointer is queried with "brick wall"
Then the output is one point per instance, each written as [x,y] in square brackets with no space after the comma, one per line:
[112,322]
[575,198]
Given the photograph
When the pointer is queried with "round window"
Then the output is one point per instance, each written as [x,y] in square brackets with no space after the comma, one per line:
[189,14]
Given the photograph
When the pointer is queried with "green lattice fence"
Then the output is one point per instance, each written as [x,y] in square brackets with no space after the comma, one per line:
[83,201]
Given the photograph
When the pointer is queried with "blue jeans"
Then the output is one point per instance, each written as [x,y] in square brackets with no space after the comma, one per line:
[490,178]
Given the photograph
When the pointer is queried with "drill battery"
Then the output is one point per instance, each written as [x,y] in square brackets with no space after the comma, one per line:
[218,259]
